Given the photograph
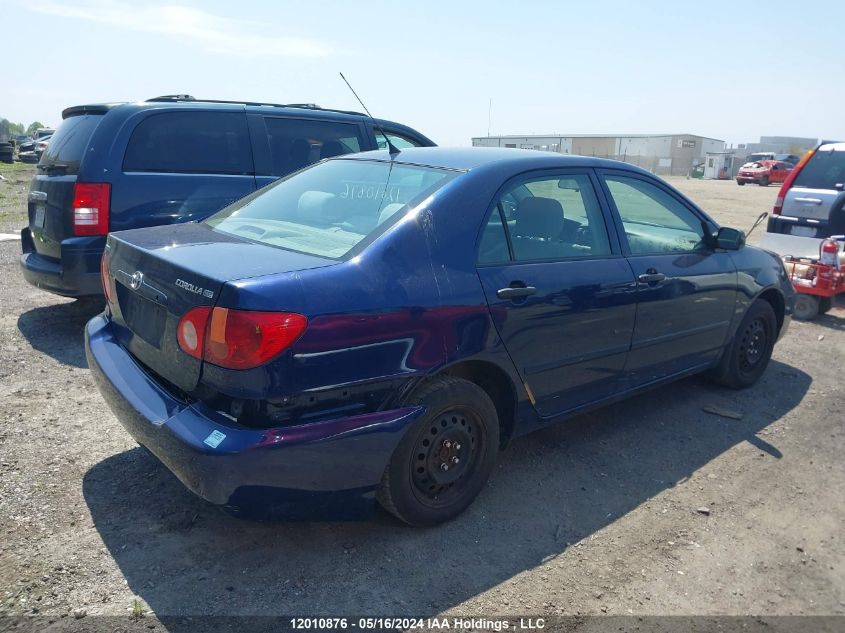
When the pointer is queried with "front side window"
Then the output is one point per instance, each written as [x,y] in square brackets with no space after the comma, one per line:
[330,208]
[190,142]
[399,141]
[654,221]
[296,143]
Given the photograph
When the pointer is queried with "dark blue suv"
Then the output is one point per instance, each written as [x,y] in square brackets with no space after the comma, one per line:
[169,160]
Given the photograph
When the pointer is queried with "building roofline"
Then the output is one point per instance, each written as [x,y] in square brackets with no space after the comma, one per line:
[535,136]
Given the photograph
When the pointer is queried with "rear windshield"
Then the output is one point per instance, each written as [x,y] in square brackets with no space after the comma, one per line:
[68,144]
[824,170]
[330,208]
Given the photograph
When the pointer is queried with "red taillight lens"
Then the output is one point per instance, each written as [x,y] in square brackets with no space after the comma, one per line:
[787,184]
[238,339]
[108,288]
[191,331]
[91,208]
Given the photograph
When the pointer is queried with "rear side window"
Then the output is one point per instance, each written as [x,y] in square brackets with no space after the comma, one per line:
[296,143]
[191,142]
[824,170]
[70,141]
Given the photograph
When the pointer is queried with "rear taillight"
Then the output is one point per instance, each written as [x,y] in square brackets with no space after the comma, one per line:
[787,184]
[238,339]
[91,208]
[191,331]
[108,288]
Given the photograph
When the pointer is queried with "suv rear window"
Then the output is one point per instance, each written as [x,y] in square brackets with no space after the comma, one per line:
[190,142]
[328,209]
[69,142]
[824,170]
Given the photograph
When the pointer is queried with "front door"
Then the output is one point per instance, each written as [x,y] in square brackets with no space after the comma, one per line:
[561,295]
[686,293]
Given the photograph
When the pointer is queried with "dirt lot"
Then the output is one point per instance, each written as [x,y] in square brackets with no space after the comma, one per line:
[600,515]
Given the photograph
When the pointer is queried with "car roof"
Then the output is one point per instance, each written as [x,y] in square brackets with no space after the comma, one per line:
[831,147]
[469,158]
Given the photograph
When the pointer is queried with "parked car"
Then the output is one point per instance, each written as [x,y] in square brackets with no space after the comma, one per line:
[811,202]
[375,327]
[165,161]
[763,173]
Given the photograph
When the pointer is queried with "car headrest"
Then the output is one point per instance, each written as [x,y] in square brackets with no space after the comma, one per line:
[315,206]
[331,148]
[539,218]
[389,211]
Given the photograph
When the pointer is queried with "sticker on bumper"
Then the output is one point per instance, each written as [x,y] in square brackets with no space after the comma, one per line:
[214,439]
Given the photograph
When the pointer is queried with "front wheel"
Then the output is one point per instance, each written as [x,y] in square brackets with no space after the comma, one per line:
[747,356]
[445,457]
[741,183]
[764,182]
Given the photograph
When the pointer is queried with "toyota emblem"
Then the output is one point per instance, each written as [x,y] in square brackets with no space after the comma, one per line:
[136,280]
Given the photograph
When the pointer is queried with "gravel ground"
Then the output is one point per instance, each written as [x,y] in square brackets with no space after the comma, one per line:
[651,506]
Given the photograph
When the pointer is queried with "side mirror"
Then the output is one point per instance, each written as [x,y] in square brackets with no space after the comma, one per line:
[730,239]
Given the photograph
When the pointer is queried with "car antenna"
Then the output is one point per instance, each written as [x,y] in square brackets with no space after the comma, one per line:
[392,149]
[760,218]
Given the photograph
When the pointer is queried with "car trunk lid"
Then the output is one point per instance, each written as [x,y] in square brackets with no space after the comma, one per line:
[160,273]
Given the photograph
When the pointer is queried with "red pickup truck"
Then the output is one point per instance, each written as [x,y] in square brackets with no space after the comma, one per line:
[763,172]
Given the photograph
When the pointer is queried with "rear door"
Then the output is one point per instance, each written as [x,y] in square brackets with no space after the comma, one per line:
[815,204]
[179,166]
[50,198]
[561,295]
[686,292]
[284,145]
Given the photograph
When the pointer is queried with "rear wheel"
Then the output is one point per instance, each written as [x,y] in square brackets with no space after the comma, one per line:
[445,458]
[806,307]
[741,183]
[748,355]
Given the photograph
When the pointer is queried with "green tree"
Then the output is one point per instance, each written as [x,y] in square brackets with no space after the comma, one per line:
[16,128]
[33,127]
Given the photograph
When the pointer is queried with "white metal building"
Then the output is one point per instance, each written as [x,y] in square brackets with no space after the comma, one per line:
[659,153]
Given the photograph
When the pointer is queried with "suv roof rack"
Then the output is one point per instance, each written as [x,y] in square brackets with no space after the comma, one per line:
[306,106]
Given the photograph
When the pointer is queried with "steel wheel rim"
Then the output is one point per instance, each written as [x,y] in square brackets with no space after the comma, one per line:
[446,455]
[753,345]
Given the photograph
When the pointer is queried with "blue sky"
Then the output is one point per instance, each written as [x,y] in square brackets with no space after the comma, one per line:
[726,70]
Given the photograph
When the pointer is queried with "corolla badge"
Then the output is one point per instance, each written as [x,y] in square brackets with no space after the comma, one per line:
[136,280]
[184,285]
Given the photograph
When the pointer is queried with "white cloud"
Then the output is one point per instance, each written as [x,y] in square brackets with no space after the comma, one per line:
[213,33]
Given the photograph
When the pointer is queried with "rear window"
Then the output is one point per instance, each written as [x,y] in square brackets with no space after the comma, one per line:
[330,208]
[68,144]
[825,170]
[190,142]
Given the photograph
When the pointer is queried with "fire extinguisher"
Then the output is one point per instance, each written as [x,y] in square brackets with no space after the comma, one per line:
[829,253]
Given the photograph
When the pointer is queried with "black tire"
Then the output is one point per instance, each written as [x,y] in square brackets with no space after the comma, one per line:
[764,182]
[747,356]
[741,183]
[459,433]
[806,307]
[825,304]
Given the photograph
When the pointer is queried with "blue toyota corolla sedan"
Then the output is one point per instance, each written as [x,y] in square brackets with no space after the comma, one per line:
[377,326]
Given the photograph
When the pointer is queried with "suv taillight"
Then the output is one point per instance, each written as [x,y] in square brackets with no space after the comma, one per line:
[91,208]
[238,339]
[787,184]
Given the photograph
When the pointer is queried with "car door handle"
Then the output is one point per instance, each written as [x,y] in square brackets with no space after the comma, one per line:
[815,201]
[651,277]
[515,293]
